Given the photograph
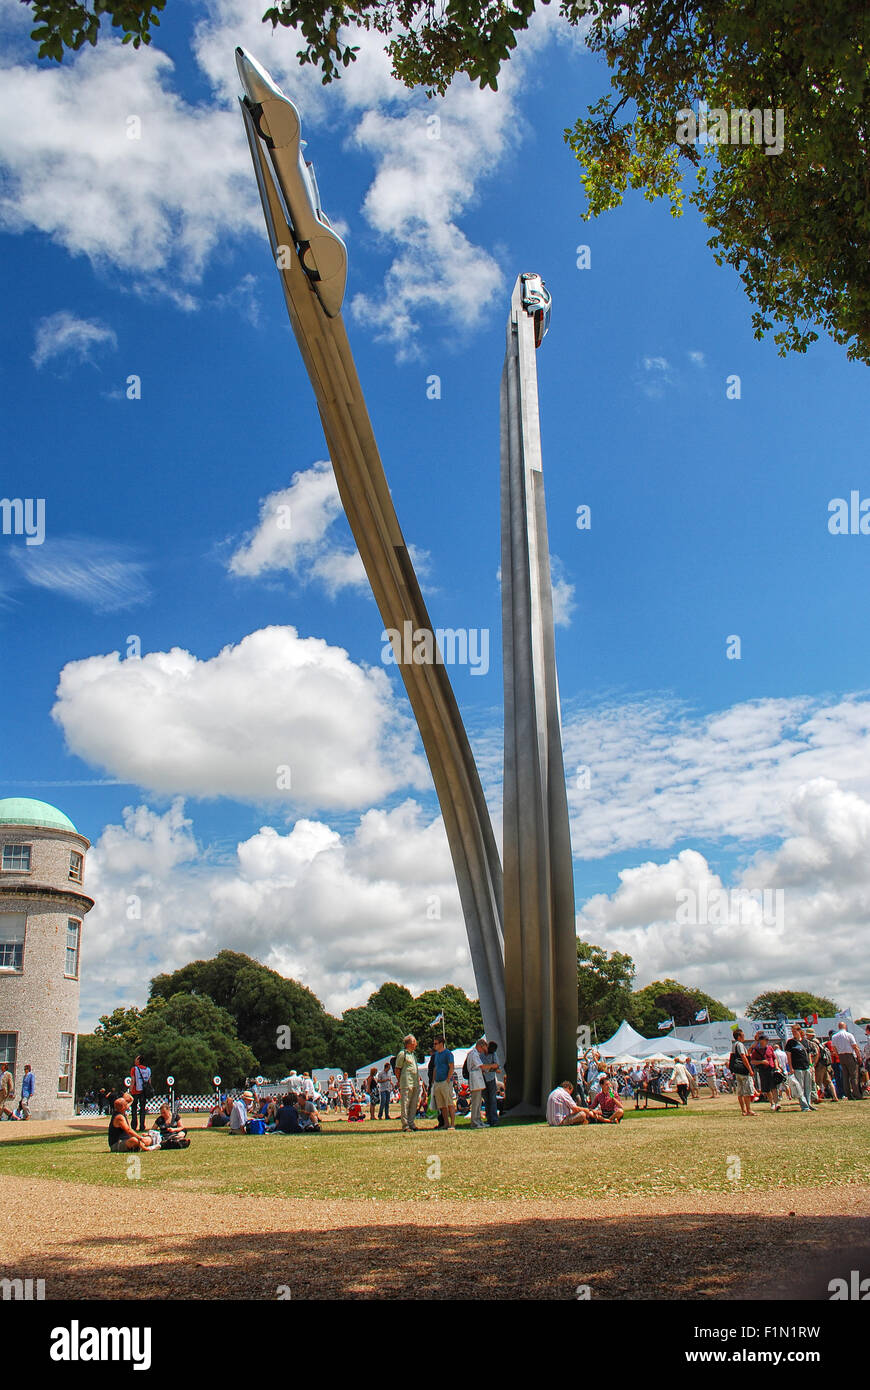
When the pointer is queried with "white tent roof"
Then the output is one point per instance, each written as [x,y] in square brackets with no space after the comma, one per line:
[672,1047]
[625,1039]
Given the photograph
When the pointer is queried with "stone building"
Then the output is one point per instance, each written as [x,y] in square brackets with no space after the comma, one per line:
[42,910]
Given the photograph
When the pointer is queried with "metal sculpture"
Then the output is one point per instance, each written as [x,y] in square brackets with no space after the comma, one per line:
[539,926]
[312,261]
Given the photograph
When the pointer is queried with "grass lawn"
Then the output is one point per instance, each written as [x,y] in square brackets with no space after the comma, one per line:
[650,1153]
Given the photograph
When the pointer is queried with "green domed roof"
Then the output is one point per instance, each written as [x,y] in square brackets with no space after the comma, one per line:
[19,810]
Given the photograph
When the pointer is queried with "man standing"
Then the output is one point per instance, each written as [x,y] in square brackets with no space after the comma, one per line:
[476,1083]
[408,1074]
[7,1093]
[140,1080]
[846,1048]
[491,1070]
[444,1094]
[26,1092]
[692,1072]
[710,1077]
[385,1090]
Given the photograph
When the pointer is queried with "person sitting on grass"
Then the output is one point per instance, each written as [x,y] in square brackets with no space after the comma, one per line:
[240,1114]
[307,1112]
[606,1105]
[123,1139]
[170,1129]
[287,1117]
[562,1108]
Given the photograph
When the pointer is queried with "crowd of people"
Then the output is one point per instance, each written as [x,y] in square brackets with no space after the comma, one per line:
[476,1088]
[806,1069]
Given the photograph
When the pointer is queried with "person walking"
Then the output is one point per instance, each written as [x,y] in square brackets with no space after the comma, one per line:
[710,1077]
[140,1083]
[692,1072]
[844,1045]
[27,1084]
[764,1062]
[801,1070]
[7,1093]
[477,1055]
[408,1074]
[680,1079]
[740,1065]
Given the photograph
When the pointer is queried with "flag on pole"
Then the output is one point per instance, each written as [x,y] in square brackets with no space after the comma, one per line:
[702,1016]
[439,1018]
[668,1023]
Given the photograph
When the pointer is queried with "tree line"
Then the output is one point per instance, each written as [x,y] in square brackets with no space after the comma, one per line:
[233,1017]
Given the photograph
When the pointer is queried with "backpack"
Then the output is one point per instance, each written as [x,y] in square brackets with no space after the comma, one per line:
[465,1067]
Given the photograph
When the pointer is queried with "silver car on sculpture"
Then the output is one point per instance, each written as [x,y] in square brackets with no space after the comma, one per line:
[537,302]
[271,118]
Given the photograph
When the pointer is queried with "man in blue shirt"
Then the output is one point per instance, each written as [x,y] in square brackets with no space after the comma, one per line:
[442,1089]
[26,1092]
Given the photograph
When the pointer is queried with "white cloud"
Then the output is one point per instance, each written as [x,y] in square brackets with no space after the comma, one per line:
[229,726]
[292,535]
[340,912]
[92,572]
[697,359]
[659,774]
[159,203]
[563,594]
[822,870]
[157,207]
[64,335]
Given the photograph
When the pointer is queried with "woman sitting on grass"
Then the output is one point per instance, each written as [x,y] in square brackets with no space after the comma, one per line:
[123,1139]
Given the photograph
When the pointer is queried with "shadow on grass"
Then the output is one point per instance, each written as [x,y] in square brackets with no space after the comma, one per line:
[31,1140]
[640,1257]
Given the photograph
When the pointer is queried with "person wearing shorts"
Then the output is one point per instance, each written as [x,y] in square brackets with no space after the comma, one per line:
[443,1092]
[745,1080]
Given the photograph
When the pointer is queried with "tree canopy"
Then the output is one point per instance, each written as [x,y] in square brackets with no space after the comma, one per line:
[794,1003]
[790,216]
[604,982]
[666,999]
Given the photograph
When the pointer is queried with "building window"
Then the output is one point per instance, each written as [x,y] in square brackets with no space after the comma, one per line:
[76,864]
[67,1052]
[17,857]
[8,1051]
[12,925]
[73,932]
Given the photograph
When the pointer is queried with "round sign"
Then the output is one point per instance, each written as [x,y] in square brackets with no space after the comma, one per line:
[216,1080]
[170,1080]
[259,1080]
[128,1082]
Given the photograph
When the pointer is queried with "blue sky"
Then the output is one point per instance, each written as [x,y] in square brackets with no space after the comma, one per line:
[709,520]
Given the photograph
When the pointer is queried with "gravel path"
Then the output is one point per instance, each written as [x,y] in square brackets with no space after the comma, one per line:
[91,1242]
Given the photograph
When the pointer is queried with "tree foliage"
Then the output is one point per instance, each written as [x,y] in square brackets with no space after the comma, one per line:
[794,1003]
[666,999]
[603,988]
[262,1003]
[794,226]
